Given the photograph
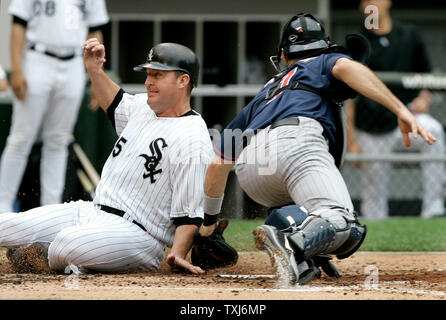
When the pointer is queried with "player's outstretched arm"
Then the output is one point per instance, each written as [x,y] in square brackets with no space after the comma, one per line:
[94,58]
[94,105]
[364,81]
[182,243]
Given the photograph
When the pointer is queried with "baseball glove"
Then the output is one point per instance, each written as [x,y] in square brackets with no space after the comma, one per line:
[213,251]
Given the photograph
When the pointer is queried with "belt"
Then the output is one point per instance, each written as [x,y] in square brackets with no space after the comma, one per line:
[285,122]
[292,122]
[69,57]
[118,213]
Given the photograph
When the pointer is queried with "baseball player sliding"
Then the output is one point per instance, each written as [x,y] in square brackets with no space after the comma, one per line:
[287,143]
[48,81]
[151,191]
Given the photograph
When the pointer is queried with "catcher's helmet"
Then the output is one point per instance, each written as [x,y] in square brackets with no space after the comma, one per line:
[304,36]
[172,57]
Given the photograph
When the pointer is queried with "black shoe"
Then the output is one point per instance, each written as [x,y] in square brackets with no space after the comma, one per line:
[323,261]
[308,271]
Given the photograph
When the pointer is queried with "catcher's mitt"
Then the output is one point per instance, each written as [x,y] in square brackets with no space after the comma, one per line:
[213,251]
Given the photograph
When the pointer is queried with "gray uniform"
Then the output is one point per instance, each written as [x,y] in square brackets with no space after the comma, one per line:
[299,169]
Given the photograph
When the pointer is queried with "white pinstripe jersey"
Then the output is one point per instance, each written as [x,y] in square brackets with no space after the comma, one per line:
[59,24]
[157,168]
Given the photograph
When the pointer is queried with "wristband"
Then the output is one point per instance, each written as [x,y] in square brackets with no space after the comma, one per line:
[210,219]
[212,206]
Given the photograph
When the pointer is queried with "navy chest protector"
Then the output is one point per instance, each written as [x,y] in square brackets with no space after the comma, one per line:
[336,148]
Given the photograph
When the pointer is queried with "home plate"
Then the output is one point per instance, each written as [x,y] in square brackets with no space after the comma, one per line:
[247,276]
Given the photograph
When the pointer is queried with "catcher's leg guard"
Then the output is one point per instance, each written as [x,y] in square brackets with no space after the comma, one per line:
[314,236]
[317,236]
[356,236]
[286,219]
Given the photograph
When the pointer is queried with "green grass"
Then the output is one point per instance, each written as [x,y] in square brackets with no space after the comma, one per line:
[406,234]
[239,234]
[393,234]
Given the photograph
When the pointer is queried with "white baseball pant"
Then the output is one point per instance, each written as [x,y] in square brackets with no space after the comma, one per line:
[50,110]
[78,233]
[375,175]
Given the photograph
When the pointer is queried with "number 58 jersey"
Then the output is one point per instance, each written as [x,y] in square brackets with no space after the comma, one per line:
[157,168]
[59,23]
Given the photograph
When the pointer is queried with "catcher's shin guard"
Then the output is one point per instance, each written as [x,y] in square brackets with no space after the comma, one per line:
[314,236]
[318,236]
[356,235]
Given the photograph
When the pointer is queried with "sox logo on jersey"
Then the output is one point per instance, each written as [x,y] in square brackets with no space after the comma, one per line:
[153,161]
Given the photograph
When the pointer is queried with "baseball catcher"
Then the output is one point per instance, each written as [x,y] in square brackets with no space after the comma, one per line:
[287,147]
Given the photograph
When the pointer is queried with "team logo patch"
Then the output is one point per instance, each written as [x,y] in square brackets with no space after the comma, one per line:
[283,83]
[152,161]
[150,56]
[292,38]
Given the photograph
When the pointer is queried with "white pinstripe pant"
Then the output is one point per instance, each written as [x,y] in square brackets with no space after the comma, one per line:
[78,233]
[301,170]
[49,114]
[375,176]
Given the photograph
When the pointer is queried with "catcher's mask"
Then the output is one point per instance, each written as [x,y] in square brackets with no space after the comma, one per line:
[304,36]
[172,57]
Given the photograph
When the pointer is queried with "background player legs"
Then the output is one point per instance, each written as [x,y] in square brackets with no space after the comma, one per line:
[57,126]
[375,175]
[433,203]
[25,125]
[374,190]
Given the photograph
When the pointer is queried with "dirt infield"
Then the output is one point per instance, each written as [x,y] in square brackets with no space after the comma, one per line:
[363,276]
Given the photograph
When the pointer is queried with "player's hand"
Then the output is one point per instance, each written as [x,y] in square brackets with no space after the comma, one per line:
[408,124]
[19,85]
[173,261]
[94,55]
